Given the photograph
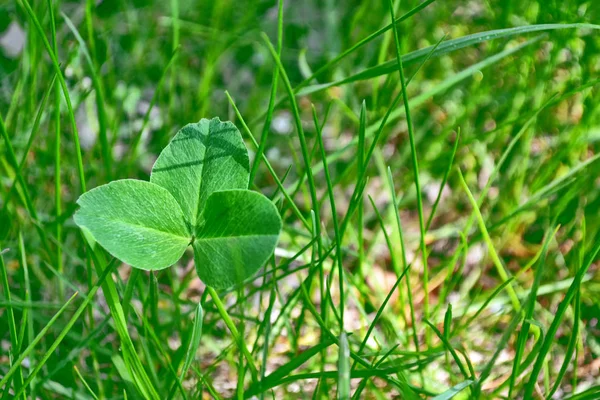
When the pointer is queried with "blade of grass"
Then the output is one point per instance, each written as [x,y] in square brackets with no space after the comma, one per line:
[194,342]
[131,282]
[570,346]
[488,300]
[30,335]
[529,308]
[344,371]
[487,369]
[589,394]
[560,312]
[361,204]
[338,238]
[443,183]
[176,25]
[267,326]
[453,391]
[65,90]
[269,117]
[12,327]
[404,260]
[268,165]
[448,46]
[492,251]
[32,136]
[274,378]
[85,384]
[89,24]
[98,87]
[69,324]
[131,358]
[21,337]
[17,363]
[450,348]
[427,57]
[303,146]
[415,165]
[234,332]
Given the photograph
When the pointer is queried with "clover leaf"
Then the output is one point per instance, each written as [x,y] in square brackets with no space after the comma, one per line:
[202,158]
[136,221]
[197,195]
[239,225]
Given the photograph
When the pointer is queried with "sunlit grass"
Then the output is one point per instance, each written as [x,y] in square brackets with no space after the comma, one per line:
[436,178]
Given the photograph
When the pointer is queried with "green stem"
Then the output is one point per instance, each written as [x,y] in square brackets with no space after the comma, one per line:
[234,332]
[486,237]
[415,164]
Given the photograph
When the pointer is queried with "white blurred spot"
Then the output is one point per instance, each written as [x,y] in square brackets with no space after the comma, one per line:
[86,83]
[87,135]
[282,123]
[475,254]
[12,40]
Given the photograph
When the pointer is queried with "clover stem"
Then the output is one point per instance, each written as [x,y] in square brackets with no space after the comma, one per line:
[234,332]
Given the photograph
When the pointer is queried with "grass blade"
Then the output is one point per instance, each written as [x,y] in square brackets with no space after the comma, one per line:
[97,82]
[69,324]
[405,265]
[453,391]
[234,332]
[302,139]
[12,326]
[17,363]
[268,165]
[562,308]
[269,117]
[194,342]
[64,88]
[274,378]
[343,390]
[85,384]
[529,307]
[131,358]
[446,47]
[415,166]
[450,348]
[493,255]
[338,238]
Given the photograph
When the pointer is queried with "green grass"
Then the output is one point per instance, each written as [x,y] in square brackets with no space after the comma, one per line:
[437,179]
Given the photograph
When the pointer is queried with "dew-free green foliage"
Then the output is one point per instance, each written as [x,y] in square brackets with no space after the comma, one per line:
[238,233]
[435,178]
[136,221]
[197,195]
[202,158]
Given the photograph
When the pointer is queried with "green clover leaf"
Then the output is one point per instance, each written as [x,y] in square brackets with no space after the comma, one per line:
[197,195]
[201,159]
